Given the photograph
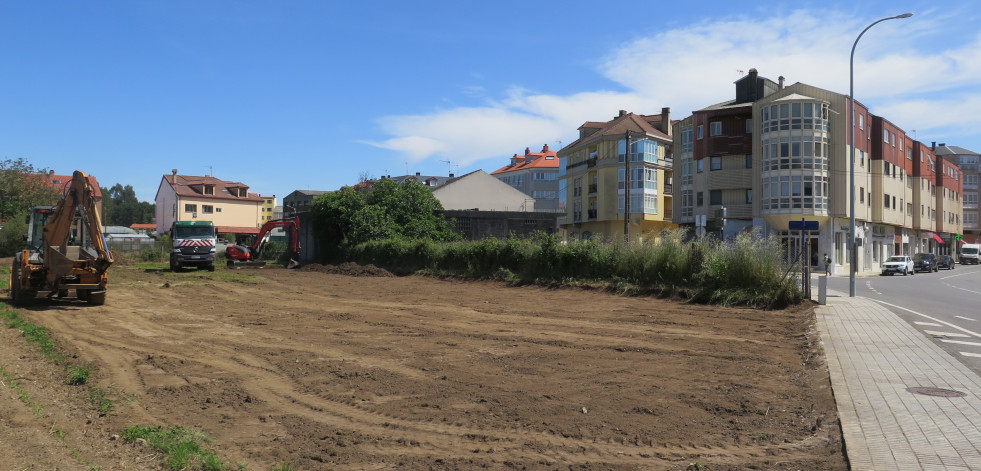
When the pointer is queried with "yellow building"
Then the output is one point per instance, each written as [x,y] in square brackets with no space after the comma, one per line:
[268,207]
[597,173]
[229,205]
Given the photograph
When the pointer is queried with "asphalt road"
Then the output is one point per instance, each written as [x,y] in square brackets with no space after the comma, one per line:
[944,305]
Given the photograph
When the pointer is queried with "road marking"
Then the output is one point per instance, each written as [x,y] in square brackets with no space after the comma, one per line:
[963,289]
[975,355]
[959,274]
[948,324]
[868,284]
[930,324]
[944,334]
[966,318]
[962,342]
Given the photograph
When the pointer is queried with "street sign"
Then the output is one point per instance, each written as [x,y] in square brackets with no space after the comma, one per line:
[803,225]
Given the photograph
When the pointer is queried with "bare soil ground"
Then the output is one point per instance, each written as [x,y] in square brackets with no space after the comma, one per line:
[351,368]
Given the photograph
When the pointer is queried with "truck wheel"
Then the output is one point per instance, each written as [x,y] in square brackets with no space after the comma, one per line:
[174,266]
[211,267]
[96,298]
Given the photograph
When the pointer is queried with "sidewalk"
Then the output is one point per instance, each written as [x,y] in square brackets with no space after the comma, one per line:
[904,403]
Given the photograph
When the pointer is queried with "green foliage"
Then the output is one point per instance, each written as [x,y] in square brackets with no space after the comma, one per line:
[100,397]
[748,271]
[77,375]
[22,186]
[182,447]
[121,208]
[12,235]
[388,210]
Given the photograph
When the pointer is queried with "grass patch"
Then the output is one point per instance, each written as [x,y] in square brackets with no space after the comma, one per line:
[182,448]
[77,375]
[21,394]
[100,397]
[33,333]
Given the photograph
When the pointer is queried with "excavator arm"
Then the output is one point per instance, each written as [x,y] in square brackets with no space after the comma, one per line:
[73,238]
[241,256]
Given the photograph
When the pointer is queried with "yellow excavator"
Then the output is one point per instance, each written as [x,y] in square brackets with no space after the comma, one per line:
[66,251]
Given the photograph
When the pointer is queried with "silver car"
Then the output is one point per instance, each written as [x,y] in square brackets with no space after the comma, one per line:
[898,264]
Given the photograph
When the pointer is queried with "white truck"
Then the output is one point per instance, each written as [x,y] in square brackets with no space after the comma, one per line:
[969,253]
[194,245]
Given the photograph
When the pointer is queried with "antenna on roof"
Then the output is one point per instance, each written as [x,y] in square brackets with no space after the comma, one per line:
[449,168]
[914,133]
[407,168]
[211,171]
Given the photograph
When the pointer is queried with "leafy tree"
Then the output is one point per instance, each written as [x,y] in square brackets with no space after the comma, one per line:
[22,186]
[121,208]
[383,210]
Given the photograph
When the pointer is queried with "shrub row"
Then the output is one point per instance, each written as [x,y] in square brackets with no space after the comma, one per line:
[746,271]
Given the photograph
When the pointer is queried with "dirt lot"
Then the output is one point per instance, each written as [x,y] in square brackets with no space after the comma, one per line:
[352,368]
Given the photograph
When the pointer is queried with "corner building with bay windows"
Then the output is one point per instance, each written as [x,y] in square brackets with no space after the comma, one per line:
[780,153]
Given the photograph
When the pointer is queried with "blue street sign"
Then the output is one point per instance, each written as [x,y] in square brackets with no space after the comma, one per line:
[803,225]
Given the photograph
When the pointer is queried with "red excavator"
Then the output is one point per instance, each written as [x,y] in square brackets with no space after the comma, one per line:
[241,255]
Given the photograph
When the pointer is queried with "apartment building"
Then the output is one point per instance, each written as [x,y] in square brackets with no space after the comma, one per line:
[230,205]
[777,154]
[535,174]
[967,161]
[618,178]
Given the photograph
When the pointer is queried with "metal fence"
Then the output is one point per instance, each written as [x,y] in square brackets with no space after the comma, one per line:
[131,244]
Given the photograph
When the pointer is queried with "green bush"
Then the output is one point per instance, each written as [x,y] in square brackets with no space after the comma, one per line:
[747,271]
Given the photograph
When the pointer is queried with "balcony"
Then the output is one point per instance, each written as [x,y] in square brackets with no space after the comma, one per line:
[668,214]
[668,188]
[591,214]
[592,188]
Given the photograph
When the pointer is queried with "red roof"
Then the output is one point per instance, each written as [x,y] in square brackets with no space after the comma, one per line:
[237,230]
[139,227]
[544,159]
[61,182]
[619,125]
[195,186]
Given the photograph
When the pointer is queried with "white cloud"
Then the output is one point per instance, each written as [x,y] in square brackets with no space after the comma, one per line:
[908,71]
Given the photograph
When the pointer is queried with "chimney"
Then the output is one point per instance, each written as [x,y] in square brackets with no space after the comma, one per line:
[527,150]
[451,175]
[622,113]
[418,174]
[753,73]
[781,81]
[51,172]
[545,148]
[174,173]
[933,146]
[666,120]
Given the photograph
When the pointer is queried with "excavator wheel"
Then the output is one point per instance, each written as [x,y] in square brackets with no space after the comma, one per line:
[17,296]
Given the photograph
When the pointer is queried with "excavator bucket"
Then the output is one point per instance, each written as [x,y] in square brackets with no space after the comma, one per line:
[246,264]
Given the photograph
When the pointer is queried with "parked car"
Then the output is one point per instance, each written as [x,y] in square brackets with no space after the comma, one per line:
[925,262]
[945,262]
[898,264]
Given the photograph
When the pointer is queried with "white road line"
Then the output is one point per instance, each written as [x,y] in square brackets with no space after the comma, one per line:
[968,354]
[966,318]
[929,324]
[944,334]
[959,274]
[962,342]
[963,289]
[948,324]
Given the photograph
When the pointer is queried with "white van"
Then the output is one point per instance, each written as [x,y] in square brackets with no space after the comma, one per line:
[969,253]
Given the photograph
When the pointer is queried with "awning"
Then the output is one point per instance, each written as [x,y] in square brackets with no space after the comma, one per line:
[939,240]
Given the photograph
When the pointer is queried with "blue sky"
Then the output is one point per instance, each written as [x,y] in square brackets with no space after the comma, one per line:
[285,95]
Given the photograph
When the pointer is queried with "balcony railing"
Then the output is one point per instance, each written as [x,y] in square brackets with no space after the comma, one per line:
[668,188]
[592,188]
[592,214]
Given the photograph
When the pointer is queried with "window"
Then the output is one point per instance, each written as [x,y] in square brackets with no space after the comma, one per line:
[699,199]
[208,209]
[700,165]
[701,131]
[861,198]
[715,128]
[749,160]
[190,208]
[715,197]
[749,196]
[886,200]
[716,163]
[749,126]
[885,135]
[861,121]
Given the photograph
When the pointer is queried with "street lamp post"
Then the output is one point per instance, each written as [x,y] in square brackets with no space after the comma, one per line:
[851,170]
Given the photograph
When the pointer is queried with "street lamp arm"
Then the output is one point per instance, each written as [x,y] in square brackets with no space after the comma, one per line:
[853,250]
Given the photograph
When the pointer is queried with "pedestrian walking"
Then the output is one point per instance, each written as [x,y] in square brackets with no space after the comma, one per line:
[828,264]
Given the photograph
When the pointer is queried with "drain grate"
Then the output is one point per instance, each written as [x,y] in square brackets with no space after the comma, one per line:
[936,392]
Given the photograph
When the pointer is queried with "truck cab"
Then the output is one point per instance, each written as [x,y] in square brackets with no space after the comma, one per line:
[194,245]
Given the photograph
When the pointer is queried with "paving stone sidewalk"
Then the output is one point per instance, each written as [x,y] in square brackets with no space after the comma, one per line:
[904,403]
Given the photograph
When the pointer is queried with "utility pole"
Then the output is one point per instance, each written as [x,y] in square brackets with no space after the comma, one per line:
[626,190]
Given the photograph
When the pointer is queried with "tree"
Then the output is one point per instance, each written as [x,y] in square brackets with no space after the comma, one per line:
[22,186]
[121,208]
[383,210]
